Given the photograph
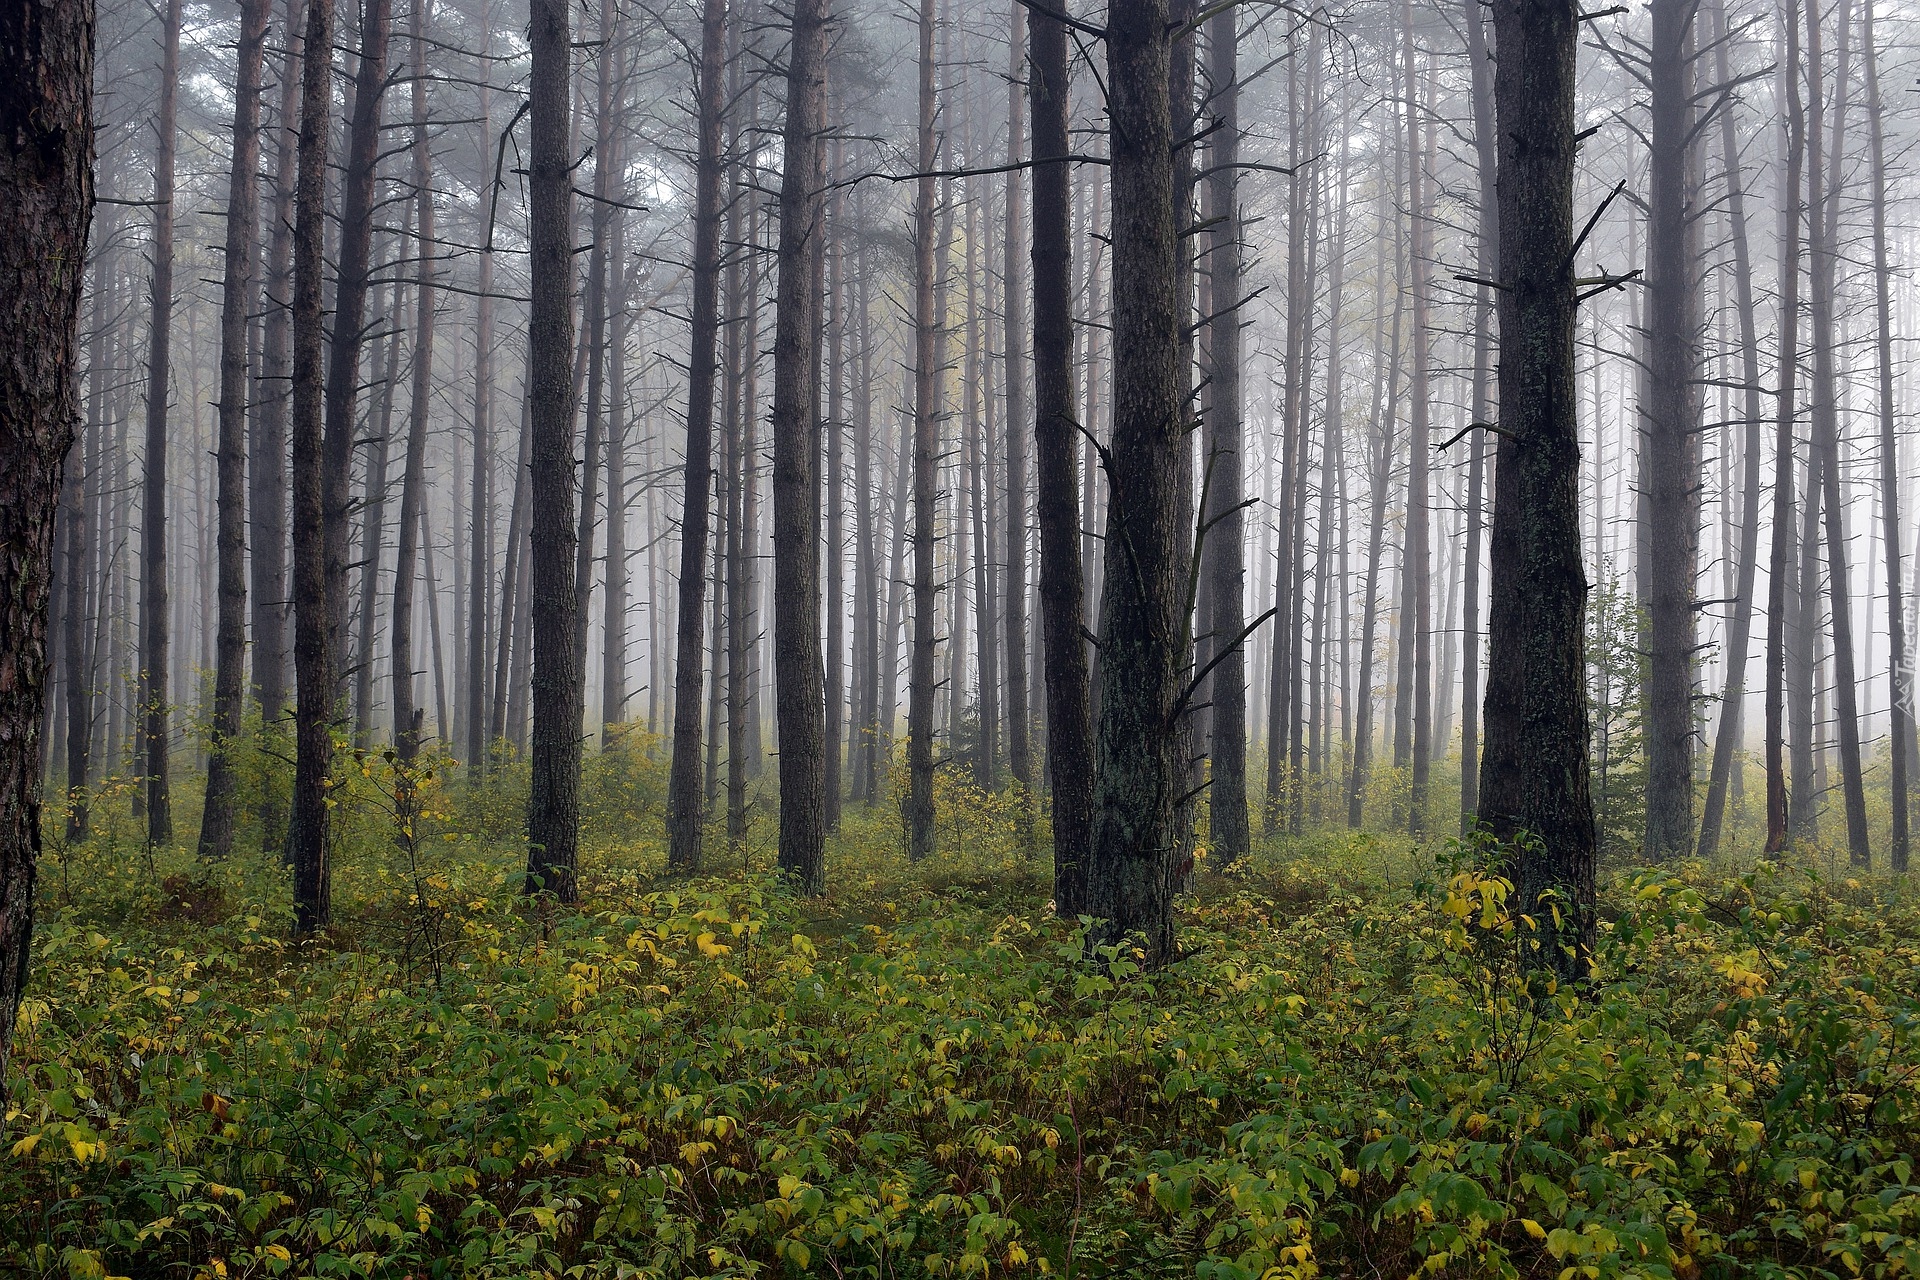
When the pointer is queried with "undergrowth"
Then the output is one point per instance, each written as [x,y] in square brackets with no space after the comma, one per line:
[1348,1073]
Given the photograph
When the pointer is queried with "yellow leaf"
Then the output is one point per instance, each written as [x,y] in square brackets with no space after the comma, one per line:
[26,1145]
[1534,1229]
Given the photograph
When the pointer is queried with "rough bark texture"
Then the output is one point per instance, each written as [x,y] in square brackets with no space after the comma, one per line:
[1014,326]
[236,308]
[1487,241]
[1534,768]
[313,651]
[553,802]
[1056,480]
[798,676]
[926,452]
[46,156]
[1138,772]
[1782,549]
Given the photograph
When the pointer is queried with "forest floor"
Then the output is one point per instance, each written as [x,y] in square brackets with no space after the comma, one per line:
[1348,1074]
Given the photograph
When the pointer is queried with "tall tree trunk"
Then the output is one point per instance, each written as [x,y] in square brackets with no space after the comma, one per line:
[928,356]
[1534,770]
[1139,774]
[613,642]
[1224,483]
[553,803]
[831,316]
[1014,330]
[1823,204]
[413,479]
[1740,621]
[600,224]
[312,638]
[236,309]
[1063,620]
[1782,549]
[156,734]
[267,444]
[796,468]
[1900,746]
[46,113]
[1417,568]
[507,690]
[1672,425]
[373,524]
[482,727]
[866,729]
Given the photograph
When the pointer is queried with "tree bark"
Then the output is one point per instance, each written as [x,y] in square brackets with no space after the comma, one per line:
[1056,482]
[46,113]
[1138,772]
[798,675]
[1534,769]
[236,309]
[1014,327]
[155,713]
[413,479]
[928,353]
[313,651]
[1487,241]
[553,802]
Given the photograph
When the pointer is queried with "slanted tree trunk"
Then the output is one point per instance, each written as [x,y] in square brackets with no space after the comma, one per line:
[798,677]
[1671,421]
[1740,621]
[928,356]
[1056,482]
[46,115]
[155,731]
[1534,768]
[1139,773]
[553,802]
[1901,728]
[1783,550]
[312,638]
[236,309]
[413,478]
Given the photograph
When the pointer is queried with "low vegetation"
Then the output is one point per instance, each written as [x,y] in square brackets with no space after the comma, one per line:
[1348,1073]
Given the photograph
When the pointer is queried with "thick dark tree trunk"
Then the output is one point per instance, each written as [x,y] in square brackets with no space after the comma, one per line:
[413,479]
[313,652]
[1534,770]
[1056,482]
[236,310]
[1671,422]
[553,802]
[798,676]
[928,357]
[155,731]
[1139,773]
[46,169]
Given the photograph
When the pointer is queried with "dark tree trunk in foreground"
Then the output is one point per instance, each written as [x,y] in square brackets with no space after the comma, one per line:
[1671,422]
[155,735]
[684,808]
[1139,772]
[553,802]
[236,310]
[1224,470]
[1056,479]
[313,652]
[798,675]
[1534,769]
[927,360]
[46,116]
[413,477]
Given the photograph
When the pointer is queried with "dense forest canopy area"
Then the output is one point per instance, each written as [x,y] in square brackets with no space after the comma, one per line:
[958,638]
